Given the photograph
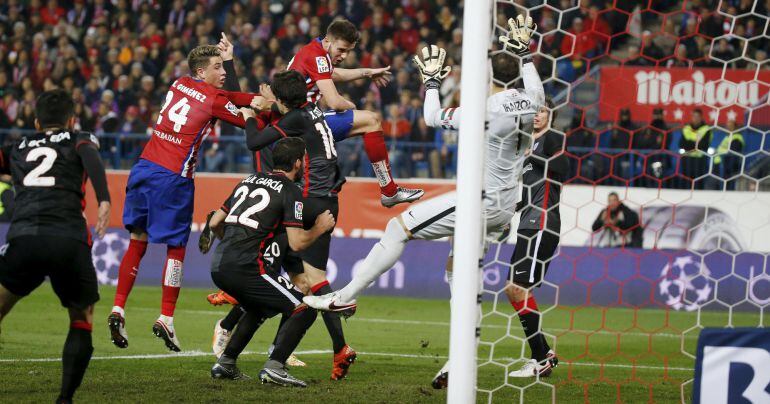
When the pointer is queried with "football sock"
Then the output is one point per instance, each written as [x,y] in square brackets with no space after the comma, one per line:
[377,151]
[248,325]
[530,322]
[332,320]
[127,272]
[75,357]
[284,317]
[172,280]
[381,258]
[231,319]
[291,333]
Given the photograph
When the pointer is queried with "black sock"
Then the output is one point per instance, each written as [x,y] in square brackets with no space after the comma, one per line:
[232,318]
[291,333]
[284,318]
[75,357]
[332,321]
[531,323]
[248,325]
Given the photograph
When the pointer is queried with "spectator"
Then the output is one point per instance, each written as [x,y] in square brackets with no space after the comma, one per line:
[729,154]
[617,225]
[406,37]
[395,128]
[693,145]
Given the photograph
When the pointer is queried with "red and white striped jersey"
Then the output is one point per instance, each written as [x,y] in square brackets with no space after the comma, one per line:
[188,115]
[314,63]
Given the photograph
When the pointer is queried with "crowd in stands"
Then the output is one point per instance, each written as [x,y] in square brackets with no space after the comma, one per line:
[118,57]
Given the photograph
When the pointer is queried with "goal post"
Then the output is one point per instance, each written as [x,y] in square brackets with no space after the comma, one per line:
[474,86]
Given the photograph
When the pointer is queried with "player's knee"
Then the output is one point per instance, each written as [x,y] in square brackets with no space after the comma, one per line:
[371,121]
[300,283]
[395,231]
[516,292]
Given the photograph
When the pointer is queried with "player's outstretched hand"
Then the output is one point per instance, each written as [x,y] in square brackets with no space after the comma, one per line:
[225,48]
[248,113]
[103,218]
[517,40]
[325,221]
[431,66]
[381,76]
[261,103]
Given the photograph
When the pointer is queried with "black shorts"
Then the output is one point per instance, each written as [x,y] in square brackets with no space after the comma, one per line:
[539,244]
[317,254]
[27,260]
[268,294]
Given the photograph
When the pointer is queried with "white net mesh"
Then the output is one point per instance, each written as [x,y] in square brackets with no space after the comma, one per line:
[624,299]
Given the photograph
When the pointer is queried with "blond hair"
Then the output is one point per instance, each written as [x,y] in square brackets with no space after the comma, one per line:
[200,56]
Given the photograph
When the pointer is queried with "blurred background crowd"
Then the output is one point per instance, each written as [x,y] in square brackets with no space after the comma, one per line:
[118,58]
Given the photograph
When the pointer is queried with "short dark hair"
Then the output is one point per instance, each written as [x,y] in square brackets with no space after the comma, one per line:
[615,194]
[289,87]
[550,105]
[697,110]
[343,29]
[505,68]
[287,151]
[200,57]
[54,108]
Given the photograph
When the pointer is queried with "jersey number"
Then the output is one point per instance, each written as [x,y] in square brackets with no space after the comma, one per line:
[245,217]
[35,177]
[326,134]
[177,114]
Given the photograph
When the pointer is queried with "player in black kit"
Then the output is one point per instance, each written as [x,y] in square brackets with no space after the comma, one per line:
[321,182]
[261,207]
[537,236]
[48,234]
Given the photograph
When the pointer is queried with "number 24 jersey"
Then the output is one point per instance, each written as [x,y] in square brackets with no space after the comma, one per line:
[260,208]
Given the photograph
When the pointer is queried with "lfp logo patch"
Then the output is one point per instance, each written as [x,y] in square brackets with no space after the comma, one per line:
[322,64]
[732,366]
[298,210]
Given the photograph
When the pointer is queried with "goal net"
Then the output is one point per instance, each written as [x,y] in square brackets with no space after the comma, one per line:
[665,227]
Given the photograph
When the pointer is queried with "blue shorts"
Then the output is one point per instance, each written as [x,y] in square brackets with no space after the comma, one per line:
[340,123]
[160,202]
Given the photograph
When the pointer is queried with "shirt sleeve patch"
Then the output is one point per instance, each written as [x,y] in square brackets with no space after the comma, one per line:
[298,210]
[232,108]
[322,64]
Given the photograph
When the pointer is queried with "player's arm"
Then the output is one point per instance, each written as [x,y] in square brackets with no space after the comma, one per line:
[257,139]
[332,97]
[226,110]
[232,88]
[517,41]
[299,239]
[432,71]
[381,76]
[88,150]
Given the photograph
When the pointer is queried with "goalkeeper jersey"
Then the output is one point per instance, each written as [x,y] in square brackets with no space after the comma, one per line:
[510,116]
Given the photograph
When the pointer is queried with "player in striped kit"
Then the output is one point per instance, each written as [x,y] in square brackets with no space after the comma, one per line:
[510,114]
[160,190]
[317,63]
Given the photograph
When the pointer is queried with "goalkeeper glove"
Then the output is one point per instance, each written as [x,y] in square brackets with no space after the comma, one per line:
[431,66]
[517,40]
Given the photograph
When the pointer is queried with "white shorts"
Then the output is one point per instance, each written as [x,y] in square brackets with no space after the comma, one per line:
[435,218]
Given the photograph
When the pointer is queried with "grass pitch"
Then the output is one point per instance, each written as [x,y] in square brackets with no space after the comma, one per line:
[607,354]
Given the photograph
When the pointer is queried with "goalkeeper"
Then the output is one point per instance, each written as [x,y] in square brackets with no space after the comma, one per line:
[510,114]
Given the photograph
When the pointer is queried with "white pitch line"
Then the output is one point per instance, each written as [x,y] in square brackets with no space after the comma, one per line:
[194,354]
[446,324]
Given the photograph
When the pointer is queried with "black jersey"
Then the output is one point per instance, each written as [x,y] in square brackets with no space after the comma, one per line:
[540,196]
[260,207]
[321,177]
[49,180]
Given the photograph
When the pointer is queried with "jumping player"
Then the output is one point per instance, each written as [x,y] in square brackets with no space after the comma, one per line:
[317,63]
[261,207]
[321,182]
[48,234]
[160,189]
[510,114]
[537,237]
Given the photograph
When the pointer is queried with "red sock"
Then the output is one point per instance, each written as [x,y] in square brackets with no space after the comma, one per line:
[172,280]
[374,145]
[525,306]
[127,272]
